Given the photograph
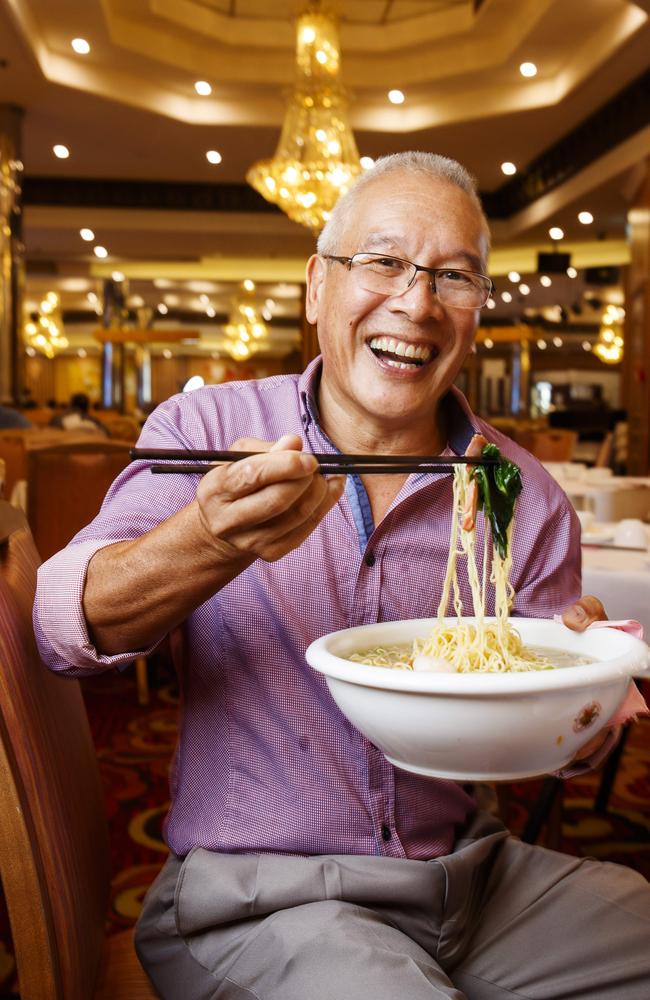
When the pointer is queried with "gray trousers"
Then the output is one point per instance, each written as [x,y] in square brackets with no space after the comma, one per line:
[496,919]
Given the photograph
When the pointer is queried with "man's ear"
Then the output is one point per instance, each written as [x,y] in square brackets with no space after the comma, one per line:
[315,278]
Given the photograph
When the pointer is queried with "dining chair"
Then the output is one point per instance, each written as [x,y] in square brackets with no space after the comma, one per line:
[550,445]
[54,848]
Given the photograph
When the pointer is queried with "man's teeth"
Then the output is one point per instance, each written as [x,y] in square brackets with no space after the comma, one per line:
[418,352]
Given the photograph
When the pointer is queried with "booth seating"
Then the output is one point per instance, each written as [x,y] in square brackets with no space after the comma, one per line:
[54,850]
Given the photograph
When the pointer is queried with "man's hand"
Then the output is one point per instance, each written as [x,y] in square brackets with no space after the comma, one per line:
[264,506]
[578,617]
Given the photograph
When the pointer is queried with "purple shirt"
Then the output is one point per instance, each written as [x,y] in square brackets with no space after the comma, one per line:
[266,762]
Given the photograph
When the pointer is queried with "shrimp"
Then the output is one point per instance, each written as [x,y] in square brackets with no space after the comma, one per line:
[474,450]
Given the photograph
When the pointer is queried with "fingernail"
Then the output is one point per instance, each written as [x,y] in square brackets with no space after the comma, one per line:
[578,613]
[308,463]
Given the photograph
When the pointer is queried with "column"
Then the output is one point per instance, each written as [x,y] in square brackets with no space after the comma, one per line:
[636,358]
[12,254]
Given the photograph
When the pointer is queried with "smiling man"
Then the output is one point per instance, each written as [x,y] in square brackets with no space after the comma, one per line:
[304,866]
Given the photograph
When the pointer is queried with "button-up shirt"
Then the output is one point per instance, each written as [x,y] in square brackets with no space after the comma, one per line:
[266,762]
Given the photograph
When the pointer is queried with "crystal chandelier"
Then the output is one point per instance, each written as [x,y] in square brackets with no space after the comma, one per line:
[317,159]
[43,329]
[245,329]
[609,346]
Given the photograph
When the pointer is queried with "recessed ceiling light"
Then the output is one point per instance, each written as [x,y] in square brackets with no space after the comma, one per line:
[211,312]
[81,46]
[117,276]
[167,354]
[249,285]
[489,343]
[556,233]
[586,346]
[571,271]
[545,281]
[508,168]
[162,308]
[586,218]
[396,97]
[514,276]
[203,88]
[491,304]
[506,296]
[100,252]
[367,162]
[558,341]
[212,156]
[82,353]
[87,235]
[524,289]
[541,344]
[528,69]
[61,152]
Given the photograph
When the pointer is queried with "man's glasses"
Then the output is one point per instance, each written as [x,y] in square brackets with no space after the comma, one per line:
[375,272]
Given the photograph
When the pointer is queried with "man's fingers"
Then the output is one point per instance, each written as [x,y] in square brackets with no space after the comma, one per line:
[298,533]
[580,615]
[249,475]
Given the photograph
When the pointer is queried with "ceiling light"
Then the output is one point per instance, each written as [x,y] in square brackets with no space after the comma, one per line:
[542,345]
[61,152]
[212,156]
[491,304]
[506,296]
[100,252]
[514,276]
[82,352]
[167,354]
[117,276]
[586,346]
[508,168]
[571,271]
[367,162]
[528,69]
[87,235]
[162,309]
[545,281]
[558,341]
[91,297]
[204,298]
[586,218]
[396,97]
[211,312]
[203,88]
[489,343]
[556,233]
[171,300]
[524,289]
[249,285]
[81,46]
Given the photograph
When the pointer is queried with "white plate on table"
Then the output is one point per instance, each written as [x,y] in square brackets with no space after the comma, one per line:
[596,538]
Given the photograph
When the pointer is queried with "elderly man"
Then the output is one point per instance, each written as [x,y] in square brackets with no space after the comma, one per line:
[304,866]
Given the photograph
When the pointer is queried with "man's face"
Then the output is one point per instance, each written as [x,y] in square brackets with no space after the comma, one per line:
[363,334]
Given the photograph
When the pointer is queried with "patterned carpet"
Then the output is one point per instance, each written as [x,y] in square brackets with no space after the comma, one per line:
[134,746]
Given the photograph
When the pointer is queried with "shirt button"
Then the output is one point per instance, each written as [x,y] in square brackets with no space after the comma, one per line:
[385,832]
[370,559]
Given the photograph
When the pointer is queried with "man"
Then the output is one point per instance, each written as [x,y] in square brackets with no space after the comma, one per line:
[304,866]
[77,416]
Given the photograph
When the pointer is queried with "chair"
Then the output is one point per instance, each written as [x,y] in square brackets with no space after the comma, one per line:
[54,850]
[550,445]
[66,484]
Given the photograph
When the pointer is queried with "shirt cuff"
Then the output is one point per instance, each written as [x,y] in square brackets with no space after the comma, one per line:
[59,622]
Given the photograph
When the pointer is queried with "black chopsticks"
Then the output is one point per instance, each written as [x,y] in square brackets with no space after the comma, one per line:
[332,464]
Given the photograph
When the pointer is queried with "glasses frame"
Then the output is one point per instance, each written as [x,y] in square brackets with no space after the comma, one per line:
[432,271]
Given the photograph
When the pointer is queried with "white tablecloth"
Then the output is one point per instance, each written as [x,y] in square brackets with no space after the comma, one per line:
[621,580]
[610,500]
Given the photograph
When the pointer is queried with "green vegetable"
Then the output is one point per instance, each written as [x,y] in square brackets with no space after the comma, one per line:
[498,488]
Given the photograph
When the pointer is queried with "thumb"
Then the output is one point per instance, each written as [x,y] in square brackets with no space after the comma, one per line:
[288,442]
[586,610]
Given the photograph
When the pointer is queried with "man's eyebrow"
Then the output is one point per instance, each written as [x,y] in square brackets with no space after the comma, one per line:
[461,258]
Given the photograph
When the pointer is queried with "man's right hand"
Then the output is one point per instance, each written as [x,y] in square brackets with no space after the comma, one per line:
[264,506]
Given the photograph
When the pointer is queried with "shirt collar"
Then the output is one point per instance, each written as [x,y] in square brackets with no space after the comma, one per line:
[462,422]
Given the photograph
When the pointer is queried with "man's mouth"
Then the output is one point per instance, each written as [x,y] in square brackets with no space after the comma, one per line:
[398,354]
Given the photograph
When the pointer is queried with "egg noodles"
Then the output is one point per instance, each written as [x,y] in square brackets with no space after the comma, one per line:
[479,645]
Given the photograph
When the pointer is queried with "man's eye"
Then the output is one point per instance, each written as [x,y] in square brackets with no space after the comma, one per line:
[455,277]
[387,264]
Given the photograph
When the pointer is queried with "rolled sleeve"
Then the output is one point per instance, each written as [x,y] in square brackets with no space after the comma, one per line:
[60,626]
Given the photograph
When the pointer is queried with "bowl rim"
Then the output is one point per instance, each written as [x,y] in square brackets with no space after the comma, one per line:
[633,660]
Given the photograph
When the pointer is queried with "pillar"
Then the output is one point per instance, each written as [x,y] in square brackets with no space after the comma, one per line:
[636,357]
[12,254]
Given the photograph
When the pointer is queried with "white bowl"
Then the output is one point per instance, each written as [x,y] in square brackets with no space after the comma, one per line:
[480,726]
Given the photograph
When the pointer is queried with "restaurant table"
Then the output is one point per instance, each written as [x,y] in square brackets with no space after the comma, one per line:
[620,578]
[610,499]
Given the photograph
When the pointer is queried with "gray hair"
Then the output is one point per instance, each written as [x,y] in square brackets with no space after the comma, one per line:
[414,162]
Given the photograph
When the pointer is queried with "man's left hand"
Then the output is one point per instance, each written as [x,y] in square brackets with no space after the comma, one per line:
[579,616]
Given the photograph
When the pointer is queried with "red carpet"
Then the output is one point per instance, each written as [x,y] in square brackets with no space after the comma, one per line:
[134,746]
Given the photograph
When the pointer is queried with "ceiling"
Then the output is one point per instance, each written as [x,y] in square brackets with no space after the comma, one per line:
[129,115]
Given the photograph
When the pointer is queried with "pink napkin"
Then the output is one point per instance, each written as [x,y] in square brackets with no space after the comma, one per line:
[634,703]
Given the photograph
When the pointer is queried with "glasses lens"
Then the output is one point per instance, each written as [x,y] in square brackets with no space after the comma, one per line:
[463,288]
[377,273]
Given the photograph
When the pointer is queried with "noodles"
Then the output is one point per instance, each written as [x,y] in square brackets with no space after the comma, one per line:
[479,646]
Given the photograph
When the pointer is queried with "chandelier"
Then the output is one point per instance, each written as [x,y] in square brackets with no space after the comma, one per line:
[43,330]
[317,159]
[609,346]
[245,327]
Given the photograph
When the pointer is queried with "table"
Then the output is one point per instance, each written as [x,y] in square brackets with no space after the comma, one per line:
[620,579]
[610,499]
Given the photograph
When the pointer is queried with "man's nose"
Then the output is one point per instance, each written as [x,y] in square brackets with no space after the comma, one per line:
[420,300]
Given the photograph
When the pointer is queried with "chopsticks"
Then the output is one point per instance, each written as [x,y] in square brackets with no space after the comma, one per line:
[332,464]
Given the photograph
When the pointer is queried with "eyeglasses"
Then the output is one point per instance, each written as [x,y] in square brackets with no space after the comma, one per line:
[375,272]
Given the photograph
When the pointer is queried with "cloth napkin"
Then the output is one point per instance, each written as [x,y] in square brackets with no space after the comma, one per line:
[634,703]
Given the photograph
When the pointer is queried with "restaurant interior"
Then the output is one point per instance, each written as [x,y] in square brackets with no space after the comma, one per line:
[165,168]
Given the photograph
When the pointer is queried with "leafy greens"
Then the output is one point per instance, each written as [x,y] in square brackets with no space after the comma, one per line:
[498,488]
